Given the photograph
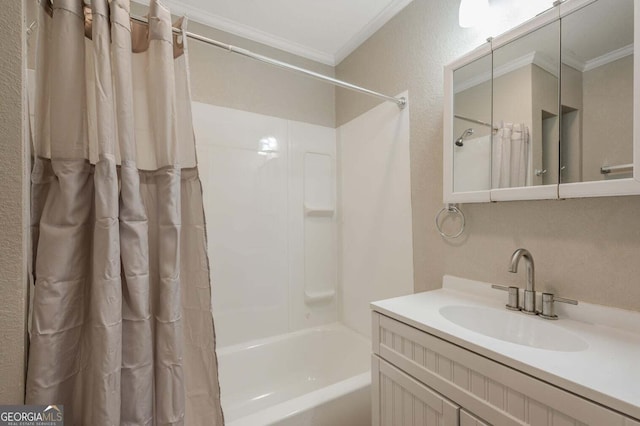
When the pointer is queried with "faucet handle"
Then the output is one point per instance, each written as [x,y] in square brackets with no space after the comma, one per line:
[514,295]
[563,300]
[548,311]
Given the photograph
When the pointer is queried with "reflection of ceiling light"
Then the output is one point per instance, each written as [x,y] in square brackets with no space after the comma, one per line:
[268,145]
[472,12]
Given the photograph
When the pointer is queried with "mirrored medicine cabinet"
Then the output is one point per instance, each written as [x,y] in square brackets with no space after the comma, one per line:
[547,109]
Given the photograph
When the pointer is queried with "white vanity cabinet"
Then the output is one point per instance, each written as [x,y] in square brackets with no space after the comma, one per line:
[421,379]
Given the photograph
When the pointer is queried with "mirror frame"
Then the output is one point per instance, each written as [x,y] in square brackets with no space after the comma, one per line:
[617,187]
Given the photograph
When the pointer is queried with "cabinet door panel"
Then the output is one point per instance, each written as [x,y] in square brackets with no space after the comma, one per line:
[400,400]
[468,419]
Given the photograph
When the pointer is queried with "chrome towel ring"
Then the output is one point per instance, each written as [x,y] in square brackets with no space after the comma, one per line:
[453,209]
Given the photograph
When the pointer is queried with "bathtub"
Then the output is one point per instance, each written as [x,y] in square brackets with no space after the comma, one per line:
[318,376]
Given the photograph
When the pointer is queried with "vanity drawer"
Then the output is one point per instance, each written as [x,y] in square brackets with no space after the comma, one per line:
[496,393]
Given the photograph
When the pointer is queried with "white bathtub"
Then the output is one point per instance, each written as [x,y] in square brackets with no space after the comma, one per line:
[316,377]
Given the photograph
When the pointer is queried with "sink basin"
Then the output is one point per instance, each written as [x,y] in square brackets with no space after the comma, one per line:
[514,327]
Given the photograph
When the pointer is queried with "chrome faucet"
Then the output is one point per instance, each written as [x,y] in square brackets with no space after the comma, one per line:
[530,291]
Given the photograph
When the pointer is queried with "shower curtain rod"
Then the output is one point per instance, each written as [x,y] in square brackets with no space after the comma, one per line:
[473,120]
[401,102]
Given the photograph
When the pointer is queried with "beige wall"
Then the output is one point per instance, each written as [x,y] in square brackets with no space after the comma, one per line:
[571,98]
[544,130]
[14,206]
[233,81]
[608,118]
[584,249]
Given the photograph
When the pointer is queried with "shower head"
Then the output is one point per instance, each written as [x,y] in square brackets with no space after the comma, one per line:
[459,141]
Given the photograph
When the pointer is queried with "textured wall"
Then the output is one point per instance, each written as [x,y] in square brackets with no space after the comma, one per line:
[608,116]
[13,206]
[229,80]
[584,249]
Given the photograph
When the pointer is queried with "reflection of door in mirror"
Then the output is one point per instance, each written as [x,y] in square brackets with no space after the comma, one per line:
[525,110]
[597,92]
[472,126]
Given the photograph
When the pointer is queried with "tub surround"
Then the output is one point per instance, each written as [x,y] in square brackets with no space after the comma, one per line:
[374,211]
[257,176]
[603,368]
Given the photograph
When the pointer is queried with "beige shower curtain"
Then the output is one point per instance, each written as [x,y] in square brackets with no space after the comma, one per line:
[121,332]
[510,156]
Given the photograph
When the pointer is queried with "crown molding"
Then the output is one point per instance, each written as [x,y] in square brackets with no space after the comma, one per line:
[212,20]
[584,66]
[571,60]
[368,30]
[546,63]
[241,30]
[535,58]
[503,69]
[513,65]
[472,82]
[608,57]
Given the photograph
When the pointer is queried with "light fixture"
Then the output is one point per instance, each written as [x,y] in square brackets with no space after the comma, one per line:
[472,12]
[268,145]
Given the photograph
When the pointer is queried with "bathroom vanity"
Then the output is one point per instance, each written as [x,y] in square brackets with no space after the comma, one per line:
[456,356]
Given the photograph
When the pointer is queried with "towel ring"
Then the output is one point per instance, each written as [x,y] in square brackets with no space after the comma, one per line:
[450,208]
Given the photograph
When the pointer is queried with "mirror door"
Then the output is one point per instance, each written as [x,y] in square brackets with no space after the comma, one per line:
[472,126]
[526,115]
[597,100]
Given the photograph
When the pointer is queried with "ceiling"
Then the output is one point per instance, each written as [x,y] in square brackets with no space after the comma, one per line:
[325,31]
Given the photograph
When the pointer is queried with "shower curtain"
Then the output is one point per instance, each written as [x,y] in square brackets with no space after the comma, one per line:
[510,156]
[121,326]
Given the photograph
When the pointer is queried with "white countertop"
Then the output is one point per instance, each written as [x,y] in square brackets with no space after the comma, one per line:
[607,371]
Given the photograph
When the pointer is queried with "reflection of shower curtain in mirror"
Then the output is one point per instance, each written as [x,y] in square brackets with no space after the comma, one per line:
[510,156]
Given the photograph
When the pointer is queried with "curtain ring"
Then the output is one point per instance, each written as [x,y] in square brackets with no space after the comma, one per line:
[450,208]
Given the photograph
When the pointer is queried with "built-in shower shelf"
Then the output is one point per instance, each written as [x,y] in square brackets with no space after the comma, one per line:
[319,296]
[318,211]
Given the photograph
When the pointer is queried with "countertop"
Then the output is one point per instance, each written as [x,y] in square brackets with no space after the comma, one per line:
[606,371]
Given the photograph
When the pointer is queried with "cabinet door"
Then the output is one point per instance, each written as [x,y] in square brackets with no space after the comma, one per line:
[600,135]
[468,419]
[400,400]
